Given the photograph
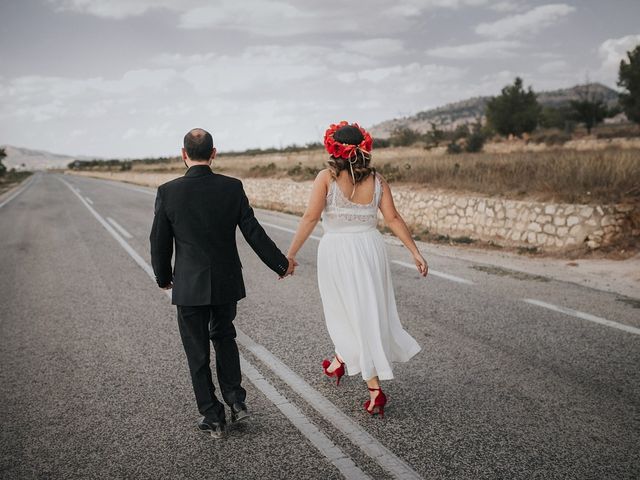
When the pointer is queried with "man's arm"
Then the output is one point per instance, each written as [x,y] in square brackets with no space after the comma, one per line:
[260,242]
[161,239]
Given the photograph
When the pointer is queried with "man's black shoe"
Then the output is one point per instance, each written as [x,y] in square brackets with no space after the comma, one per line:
[239,412]
[216,429]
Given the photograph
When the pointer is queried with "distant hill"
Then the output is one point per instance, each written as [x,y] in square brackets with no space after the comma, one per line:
[26,159]
[451,115]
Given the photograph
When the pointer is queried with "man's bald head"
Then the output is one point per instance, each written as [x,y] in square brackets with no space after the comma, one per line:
[198,144]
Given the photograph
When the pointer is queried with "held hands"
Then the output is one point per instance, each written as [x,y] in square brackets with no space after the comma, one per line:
[291,269]
[421,264]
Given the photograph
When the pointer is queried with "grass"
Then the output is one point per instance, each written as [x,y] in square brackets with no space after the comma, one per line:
[556,174]
[11,179]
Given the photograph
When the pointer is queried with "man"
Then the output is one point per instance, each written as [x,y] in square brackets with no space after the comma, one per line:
[200,212]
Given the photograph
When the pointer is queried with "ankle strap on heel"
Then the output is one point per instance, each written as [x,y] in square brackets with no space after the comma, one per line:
[374,389]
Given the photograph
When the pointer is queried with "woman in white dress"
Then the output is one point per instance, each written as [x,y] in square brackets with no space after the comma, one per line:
[354,277]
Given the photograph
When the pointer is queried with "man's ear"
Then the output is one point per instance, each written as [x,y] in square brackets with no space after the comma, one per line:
[213,154]
[184,154]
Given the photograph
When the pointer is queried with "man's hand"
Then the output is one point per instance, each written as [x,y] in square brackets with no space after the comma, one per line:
[292,267]
[168,287]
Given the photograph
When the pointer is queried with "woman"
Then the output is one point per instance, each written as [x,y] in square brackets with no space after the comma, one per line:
[353,269]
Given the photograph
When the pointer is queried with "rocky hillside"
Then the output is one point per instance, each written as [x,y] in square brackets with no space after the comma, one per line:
[26,159]
[450,116]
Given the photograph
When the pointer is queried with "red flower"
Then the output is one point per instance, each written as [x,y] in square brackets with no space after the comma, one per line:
[339,150]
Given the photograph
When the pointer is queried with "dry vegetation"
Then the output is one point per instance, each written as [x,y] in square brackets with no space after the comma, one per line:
[11,179]
[564,175]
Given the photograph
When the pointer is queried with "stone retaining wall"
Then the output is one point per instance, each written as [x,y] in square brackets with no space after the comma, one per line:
[505,222]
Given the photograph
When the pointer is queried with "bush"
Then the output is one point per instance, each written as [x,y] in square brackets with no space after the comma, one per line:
[404,137]
[381,143]
[390,172]
[475,142]
[262,170]
[454,148]
[300,172]
[550,137]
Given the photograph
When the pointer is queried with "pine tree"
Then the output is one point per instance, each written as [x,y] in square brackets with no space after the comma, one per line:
[515,111]
[629,79]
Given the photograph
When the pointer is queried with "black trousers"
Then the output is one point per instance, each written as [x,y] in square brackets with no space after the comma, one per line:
[197,326]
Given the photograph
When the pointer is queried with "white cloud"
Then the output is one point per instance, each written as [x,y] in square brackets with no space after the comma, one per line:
[376,46]
[530,22]
[554,66]
[177,60]
[506,6]
[119,9]
[613,50]
[492,49]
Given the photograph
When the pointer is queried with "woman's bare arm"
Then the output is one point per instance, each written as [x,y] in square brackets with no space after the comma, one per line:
[312,214]
[399,228]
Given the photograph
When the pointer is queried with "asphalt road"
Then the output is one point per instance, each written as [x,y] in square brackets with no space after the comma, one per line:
[520,376]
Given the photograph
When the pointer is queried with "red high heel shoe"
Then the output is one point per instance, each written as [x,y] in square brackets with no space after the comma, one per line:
[378,403]
[338,372]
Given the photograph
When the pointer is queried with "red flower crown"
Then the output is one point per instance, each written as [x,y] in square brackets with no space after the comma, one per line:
[343,150]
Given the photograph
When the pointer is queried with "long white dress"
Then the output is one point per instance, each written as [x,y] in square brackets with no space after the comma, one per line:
[355,285]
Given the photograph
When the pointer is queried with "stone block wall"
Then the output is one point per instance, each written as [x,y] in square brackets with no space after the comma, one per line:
[549,226]
[506,222]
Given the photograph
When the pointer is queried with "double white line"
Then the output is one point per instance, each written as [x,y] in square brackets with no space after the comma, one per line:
[393,465]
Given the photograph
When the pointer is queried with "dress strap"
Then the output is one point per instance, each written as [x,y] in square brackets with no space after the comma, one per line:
[377,188]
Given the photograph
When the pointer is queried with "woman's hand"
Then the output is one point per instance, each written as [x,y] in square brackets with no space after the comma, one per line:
[421,264]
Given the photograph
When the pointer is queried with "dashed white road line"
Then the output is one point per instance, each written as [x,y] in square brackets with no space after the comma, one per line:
[396,467]
[18,191]
[89,201]
[436,273]
[583,316]
[120,228]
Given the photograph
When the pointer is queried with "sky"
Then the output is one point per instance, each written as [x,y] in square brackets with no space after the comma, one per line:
[128,78]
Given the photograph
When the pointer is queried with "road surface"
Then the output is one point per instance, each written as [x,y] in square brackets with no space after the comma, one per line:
[520,376]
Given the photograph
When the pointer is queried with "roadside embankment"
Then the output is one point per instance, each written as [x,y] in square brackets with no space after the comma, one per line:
[513,223]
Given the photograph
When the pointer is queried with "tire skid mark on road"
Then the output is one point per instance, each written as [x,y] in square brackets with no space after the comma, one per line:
[18,191]
[583,315]
[396,467]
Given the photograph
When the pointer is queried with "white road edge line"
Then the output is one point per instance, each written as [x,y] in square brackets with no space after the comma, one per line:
[344,464]
[19,190]
[117,183]
[120,228]
[436,273]
[583,316]
[89,201]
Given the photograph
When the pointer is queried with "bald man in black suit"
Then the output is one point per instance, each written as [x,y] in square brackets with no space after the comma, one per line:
[200,212]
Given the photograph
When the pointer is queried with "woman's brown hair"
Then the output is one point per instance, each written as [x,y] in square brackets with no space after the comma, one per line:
[357,165]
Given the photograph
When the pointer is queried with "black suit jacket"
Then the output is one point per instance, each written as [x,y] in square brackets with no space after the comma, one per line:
[200,212]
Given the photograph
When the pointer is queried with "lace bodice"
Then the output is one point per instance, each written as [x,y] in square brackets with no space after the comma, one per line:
[342,215]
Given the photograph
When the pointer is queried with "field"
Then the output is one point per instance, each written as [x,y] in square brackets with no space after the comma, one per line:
[606,175]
